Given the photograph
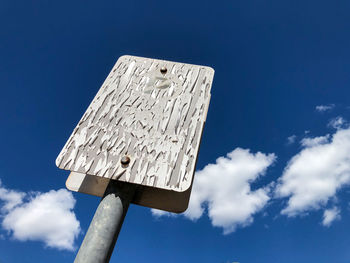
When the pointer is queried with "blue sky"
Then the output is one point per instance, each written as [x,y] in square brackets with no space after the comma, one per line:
[275,63]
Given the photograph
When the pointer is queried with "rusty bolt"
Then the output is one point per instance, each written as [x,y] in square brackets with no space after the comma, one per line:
[163,70]
[125,160]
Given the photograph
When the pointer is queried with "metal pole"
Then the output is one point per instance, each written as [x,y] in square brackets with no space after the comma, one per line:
[99,241]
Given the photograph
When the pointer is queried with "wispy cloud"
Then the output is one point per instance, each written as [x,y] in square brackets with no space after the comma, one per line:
[323,108]
[316,173]
[337,123]
[291,139]
[330,215]
[223,189]
[46,217]
[310,142]
[10,198]
[160,213]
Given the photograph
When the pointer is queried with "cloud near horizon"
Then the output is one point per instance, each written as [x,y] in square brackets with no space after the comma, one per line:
[46,217]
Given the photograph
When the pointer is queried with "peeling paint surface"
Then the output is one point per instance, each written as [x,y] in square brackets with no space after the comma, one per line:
[154,118]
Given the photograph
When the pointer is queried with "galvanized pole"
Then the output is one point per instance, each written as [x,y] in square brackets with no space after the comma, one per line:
[99,241]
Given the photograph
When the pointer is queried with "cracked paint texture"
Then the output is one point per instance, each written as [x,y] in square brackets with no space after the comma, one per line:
[154,118]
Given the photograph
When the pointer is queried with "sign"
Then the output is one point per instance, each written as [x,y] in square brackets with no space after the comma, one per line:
[143,127]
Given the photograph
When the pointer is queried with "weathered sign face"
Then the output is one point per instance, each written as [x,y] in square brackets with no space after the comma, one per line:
[144,125]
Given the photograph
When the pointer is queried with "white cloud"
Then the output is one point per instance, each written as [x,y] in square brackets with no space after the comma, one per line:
[310,142]
[323,108]
[337,123]
[10,198]
[330,215]
[316,173]
[224,190]
[160,213]
[291,139]
[46,217]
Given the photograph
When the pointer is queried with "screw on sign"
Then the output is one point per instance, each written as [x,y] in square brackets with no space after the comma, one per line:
[137,143]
